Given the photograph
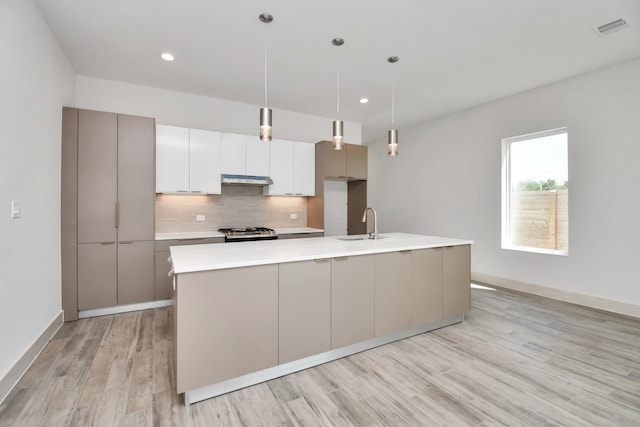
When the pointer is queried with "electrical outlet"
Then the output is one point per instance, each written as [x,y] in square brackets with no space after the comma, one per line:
[293,216]
[15,209]
[200,218]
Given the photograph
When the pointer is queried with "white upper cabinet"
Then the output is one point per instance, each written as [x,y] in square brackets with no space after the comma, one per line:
[281,172]
[233,153]
[204,155]
[257,162]
[244,155]
[187,160]
[292,169]
[304,169]
[172,159]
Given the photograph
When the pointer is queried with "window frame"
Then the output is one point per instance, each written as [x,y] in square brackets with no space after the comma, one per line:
[506,191]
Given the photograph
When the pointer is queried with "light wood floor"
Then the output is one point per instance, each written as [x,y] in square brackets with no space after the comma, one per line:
[517,360]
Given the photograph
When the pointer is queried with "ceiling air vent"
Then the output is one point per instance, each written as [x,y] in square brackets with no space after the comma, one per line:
[611,27]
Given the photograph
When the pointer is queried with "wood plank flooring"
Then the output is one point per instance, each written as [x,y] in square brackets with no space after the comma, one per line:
[517,360]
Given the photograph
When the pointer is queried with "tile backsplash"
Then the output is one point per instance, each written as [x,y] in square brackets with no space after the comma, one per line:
[236,206]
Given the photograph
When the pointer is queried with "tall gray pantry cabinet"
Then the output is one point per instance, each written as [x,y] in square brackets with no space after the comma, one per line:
[108,231]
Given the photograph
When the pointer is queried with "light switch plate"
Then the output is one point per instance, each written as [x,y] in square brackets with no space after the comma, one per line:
[293,216]
[200,218]
[15,209]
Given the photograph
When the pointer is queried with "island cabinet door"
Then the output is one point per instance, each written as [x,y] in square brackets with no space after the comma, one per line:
[392,292]
[226,324]
[426,286]
[304,309]
[456,270]
[352,300]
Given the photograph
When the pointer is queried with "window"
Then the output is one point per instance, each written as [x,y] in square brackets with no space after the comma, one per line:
[535,192]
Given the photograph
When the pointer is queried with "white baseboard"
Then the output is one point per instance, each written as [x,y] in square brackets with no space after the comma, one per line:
[618,307]
[18,370]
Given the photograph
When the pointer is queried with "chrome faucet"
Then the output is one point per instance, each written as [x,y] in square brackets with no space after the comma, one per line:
[374,233]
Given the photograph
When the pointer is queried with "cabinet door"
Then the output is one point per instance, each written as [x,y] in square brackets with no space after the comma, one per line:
[456,287]
[163,282]
[136,198]
[172,159]
[281,168]
[392,292]
[426,286]
[335,162]
[304,169]
[304,322]
[135,272]
[352,296]
[356,161]
[204,163]
[233,152]
[257,162]
[97,176]
[97,267]
[227,324]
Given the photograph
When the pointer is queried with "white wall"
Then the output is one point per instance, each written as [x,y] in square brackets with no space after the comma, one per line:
[35,82]
[201,112]
[446,181]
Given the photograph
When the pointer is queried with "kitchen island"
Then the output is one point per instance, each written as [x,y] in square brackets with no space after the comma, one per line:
[249,312]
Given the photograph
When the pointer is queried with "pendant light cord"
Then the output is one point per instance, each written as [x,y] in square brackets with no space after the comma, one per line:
[265,68]
[338,85]
[393,100]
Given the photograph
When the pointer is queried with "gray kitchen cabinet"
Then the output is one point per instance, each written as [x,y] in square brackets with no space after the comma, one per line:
[164,282]
[114,184]
[456,271]
[226,324]
[304,322]
[426,286]
[352,300]
[356,161]
[135,272]
[392,292]
[335,161]
[97,275]
[97,176]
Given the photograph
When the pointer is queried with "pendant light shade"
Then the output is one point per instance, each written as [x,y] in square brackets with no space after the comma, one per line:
[392,142]
[265,112]
[338,125]
[392,135]
[265,124]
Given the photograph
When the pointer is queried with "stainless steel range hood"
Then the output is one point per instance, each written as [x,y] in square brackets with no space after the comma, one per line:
[246,180]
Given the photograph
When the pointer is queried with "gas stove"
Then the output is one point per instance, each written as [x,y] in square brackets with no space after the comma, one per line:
[245,234]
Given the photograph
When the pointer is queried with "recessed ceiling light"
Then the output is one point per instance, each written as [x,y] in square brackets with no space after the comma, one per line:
[364,100]
[167,56]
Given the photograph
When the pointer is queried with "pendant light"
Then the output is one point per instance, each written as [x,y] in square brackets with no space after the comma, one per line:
[392,137]
[338,125]
[265,112]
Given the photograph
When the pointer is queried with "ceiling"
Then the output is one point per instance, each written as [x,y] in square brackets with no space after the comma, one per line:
[454,54]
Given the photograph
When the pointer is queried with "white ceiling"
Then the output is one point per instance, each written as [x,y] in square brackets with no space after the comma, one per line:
[454,54]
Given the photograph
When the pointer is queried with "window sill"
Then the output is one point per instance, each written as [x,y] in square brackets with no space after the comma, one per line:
[535,250]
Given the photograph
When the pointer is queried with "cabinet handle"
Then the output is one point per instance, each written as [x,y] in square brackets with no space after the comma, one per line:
[405,251]
[117,214]
[340,258]
[322,259]
[107,243]
[181,191]
[126,242]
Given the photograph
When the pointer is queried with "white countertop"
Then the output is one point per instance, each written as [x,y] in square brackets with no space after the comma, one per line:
[192,258]
[207,234]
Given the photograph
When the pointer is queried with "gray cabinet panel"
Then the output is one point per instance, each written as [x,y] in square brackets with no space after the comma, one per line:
[352,300]
[304,322]
[135,272]
[136,186]
[356,161]
[97,176]
[456,270]
[392,292]
[426,286]
[97,267]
